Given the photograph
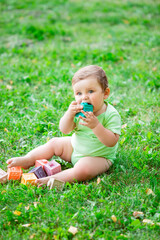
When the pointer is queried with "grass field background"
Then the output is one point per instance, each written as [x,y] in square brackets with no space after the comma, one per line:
[42,44]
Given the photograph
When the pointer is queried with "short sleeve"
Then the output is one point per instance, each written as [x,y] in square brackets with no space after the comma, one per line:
[114,124]
[112,121]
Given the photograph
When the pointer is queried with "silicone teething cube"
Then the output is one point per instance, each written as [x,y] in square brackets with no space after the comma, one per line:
[52,168]
[54,183]
[14,173]
[3,176]
[87,107]
[28,178]
[41,163]
[39,172]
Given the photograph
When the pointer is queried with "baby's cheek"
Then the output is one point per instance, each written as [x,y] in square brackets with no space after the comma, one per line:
[78,100]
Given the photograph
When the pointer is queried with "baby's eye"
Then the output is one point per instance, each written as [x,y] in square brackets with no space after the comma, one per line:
[90,91]
[78,93]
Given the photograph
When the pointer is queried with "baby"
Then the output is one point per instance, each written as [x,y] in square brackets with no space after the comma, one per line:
[92,147]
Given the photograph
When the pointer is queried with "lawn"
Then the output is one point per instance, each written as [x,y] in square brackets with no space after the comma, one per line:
[42,44]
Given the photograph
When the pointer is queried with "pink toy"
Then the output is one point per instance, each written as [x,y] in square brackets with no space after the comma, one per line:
[52,168]
[41,163]
[14,173]
[3,176]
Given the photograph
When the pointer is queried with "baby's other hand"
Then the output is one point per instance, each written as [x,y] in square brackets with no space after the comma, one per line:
[74,108]
[12,162]
[23,162]
[42,181]
[90,120]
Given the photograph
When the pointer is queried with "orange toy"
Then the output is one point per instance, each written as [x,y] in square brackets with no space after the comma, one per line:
[14,173]
[41,163]
[3,176]
[28,178]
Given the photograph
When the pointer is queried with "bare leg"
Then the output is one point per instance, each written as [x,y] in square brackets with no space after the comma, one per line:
[57,146]
[86,168]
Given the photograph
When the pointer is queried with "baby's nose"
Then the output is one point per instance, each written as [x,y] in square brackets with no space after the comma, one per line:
[85,97]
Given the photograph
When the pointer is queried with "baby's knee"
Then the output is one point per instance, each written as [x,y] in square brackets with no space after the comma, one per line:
[83,173]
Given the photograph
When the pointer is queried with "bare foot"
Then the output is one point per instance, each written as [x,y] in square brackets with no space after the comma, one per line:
[24,162]
[42,181]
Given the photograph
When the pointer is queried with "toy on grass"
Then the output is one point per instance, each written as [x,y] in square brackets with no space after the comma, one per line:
[28,178]
[14,173]
[87,107]
[39,172]
[3,176]
[54,183]
[41,163]
[52,168]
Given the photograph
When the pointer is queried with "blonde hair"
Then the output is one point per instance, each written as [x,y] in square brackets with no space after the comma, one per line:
[91,70]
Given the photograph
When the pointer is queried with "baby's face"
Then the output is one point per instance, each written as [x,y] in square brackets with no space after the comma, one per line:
[89,90]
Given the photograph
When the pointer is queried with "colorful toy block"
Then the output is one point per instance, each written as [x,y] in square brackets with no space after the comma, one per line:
[39,172]
[14,173]
[28,178]
[52,168]
[41,163]
[54,183]
[3,176]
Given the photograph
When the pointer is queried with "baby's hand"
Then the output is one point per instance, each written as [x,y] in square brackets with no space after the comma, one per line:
[74,108]
[90,121]
[11,162]
[42,181]
[16,162]
[23,162]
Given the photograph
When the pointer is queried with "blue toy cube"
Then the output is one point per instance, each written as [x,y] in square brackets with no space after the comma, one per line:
[87,107]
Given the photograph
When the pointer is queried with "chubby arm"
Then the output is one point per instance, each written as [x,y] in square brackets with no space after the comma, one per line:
[67,124]
[104,135]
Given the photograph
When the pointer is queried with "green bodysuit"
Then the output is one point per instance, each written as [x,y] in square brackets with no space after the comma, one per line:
[85,143]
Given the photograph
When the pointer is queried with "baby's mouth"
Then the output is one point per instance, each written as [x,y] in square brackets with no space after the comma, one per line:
[87,103]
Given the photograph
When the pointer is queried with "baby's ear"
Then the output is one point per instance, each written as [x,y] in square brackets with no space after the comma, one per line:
[106,93]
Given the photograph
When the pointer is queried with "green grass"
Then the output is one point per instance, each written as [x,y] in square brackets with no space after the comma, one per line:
[42,44]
